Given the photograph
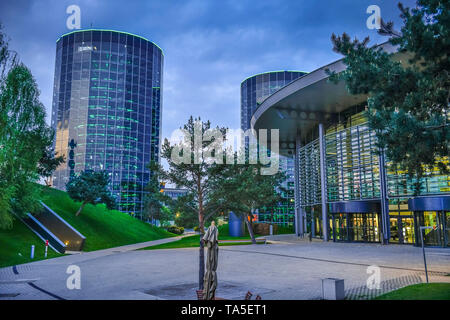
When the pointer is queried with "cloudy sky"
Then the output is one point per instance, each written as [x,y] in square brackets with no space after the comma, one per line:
[210,46]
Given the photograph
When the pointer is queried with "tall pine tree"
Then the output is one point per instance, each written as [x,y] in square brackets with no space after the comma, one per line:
[194,174]
[408,101]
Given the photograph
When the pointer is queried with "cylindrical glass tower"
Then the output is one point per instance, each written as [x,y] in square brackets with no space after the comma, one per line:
[254,90]
[107,98]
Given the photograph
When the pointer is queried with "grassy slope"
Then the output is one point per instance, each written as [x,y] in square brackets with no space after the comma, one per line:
[422,291]
[15,246]
[102,228]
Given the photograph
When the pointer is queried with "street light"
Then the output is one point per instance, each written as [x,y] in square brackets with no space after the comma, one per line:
[423,248]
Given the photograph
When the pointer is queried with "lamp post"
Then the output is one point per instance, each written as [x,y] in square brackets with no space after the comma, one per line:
[423,249]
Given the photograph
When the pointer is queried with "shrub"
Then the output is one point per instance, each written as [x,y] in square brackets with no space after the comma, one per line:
[263,229]
[175,229]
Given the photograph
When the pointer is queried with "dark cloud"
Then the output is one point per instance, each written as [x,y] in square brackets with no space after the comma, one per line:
[209,46]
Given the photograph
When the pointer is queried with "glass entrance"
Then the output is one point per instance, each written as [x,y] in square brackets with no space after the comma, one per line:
[317,230]
[340,227]
[359,227]
[447,228]
[395,236]
[402,229]
[438,233]
[365,227]
[407,230]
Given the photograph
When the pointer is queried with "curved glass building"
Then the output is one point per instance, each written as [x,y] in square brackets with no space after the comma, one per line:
[107,99]
[345,190]
[254,90]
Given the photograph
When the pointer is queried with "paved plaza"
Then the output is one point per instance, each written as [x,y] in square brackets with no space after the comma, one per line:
[289,268]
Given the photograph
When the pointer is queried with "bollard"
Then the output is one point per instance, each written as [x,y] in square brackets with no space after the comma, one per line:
[271,230]
[32,251]
[46,248]
[333,289]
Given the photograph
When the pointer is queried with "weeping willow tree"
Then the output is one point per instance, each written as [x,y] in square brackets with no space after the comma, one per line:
[23,135]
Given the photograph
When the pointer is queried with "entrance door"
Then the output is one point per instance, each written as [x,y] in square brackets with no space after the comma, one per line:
[365,227]
[407,230]
[360,227]
[447,227]
[395,234]
[444,227]
[431,237]
[438,234]
[340,227]
[373,234]
[402,230]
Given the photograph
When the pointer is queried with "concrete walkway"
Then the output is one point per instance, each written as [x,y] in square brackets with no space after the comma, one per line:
[291,269]
[6,273]
[126,248]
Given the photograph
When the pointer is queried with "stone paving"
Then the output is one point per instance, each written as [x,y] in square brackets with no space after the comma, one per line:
[290,268]
[364,293]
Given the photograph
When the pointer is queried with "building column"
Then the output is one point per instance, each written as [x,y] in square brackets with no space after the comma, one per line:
[385,222]
[323,182]
[298,212]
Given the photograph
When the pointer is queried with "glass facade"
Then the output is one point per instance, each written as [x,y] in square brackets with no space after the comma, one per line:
[353,173]
[352,164]
[254,90]
[174,193]
[355,227]
[107,98]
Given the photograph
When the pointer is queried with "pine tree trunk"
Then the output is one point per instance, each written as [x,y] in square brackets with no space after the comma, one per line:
[81,208]
[201,262]
[250,229]
[201,272]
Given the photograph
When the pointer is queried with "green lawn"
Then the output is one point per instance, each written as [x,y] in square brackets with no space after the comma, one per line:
[102,228]
[15,246]
[224,235]
[422,291]
[192,242]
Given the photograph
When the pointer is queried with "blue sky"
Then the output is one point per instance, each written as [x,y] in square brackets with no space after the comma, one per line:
[210,46]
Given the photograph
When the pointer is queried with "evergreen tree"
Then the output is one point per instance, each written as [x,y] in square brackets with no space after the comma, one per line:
[155,198]
[241,188]
[49,162]
[165,216]
[408,101]
[194,176]
[183,207]
[90,187]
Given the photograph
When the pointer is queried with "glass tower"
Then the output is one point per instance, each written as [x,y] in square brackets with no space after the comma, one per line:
[107,99]
[254,90]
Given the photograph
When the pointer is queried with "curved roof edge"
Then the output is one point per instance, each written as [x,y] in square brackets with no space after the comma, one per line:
[123,32]
[276,71]
[305,81]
